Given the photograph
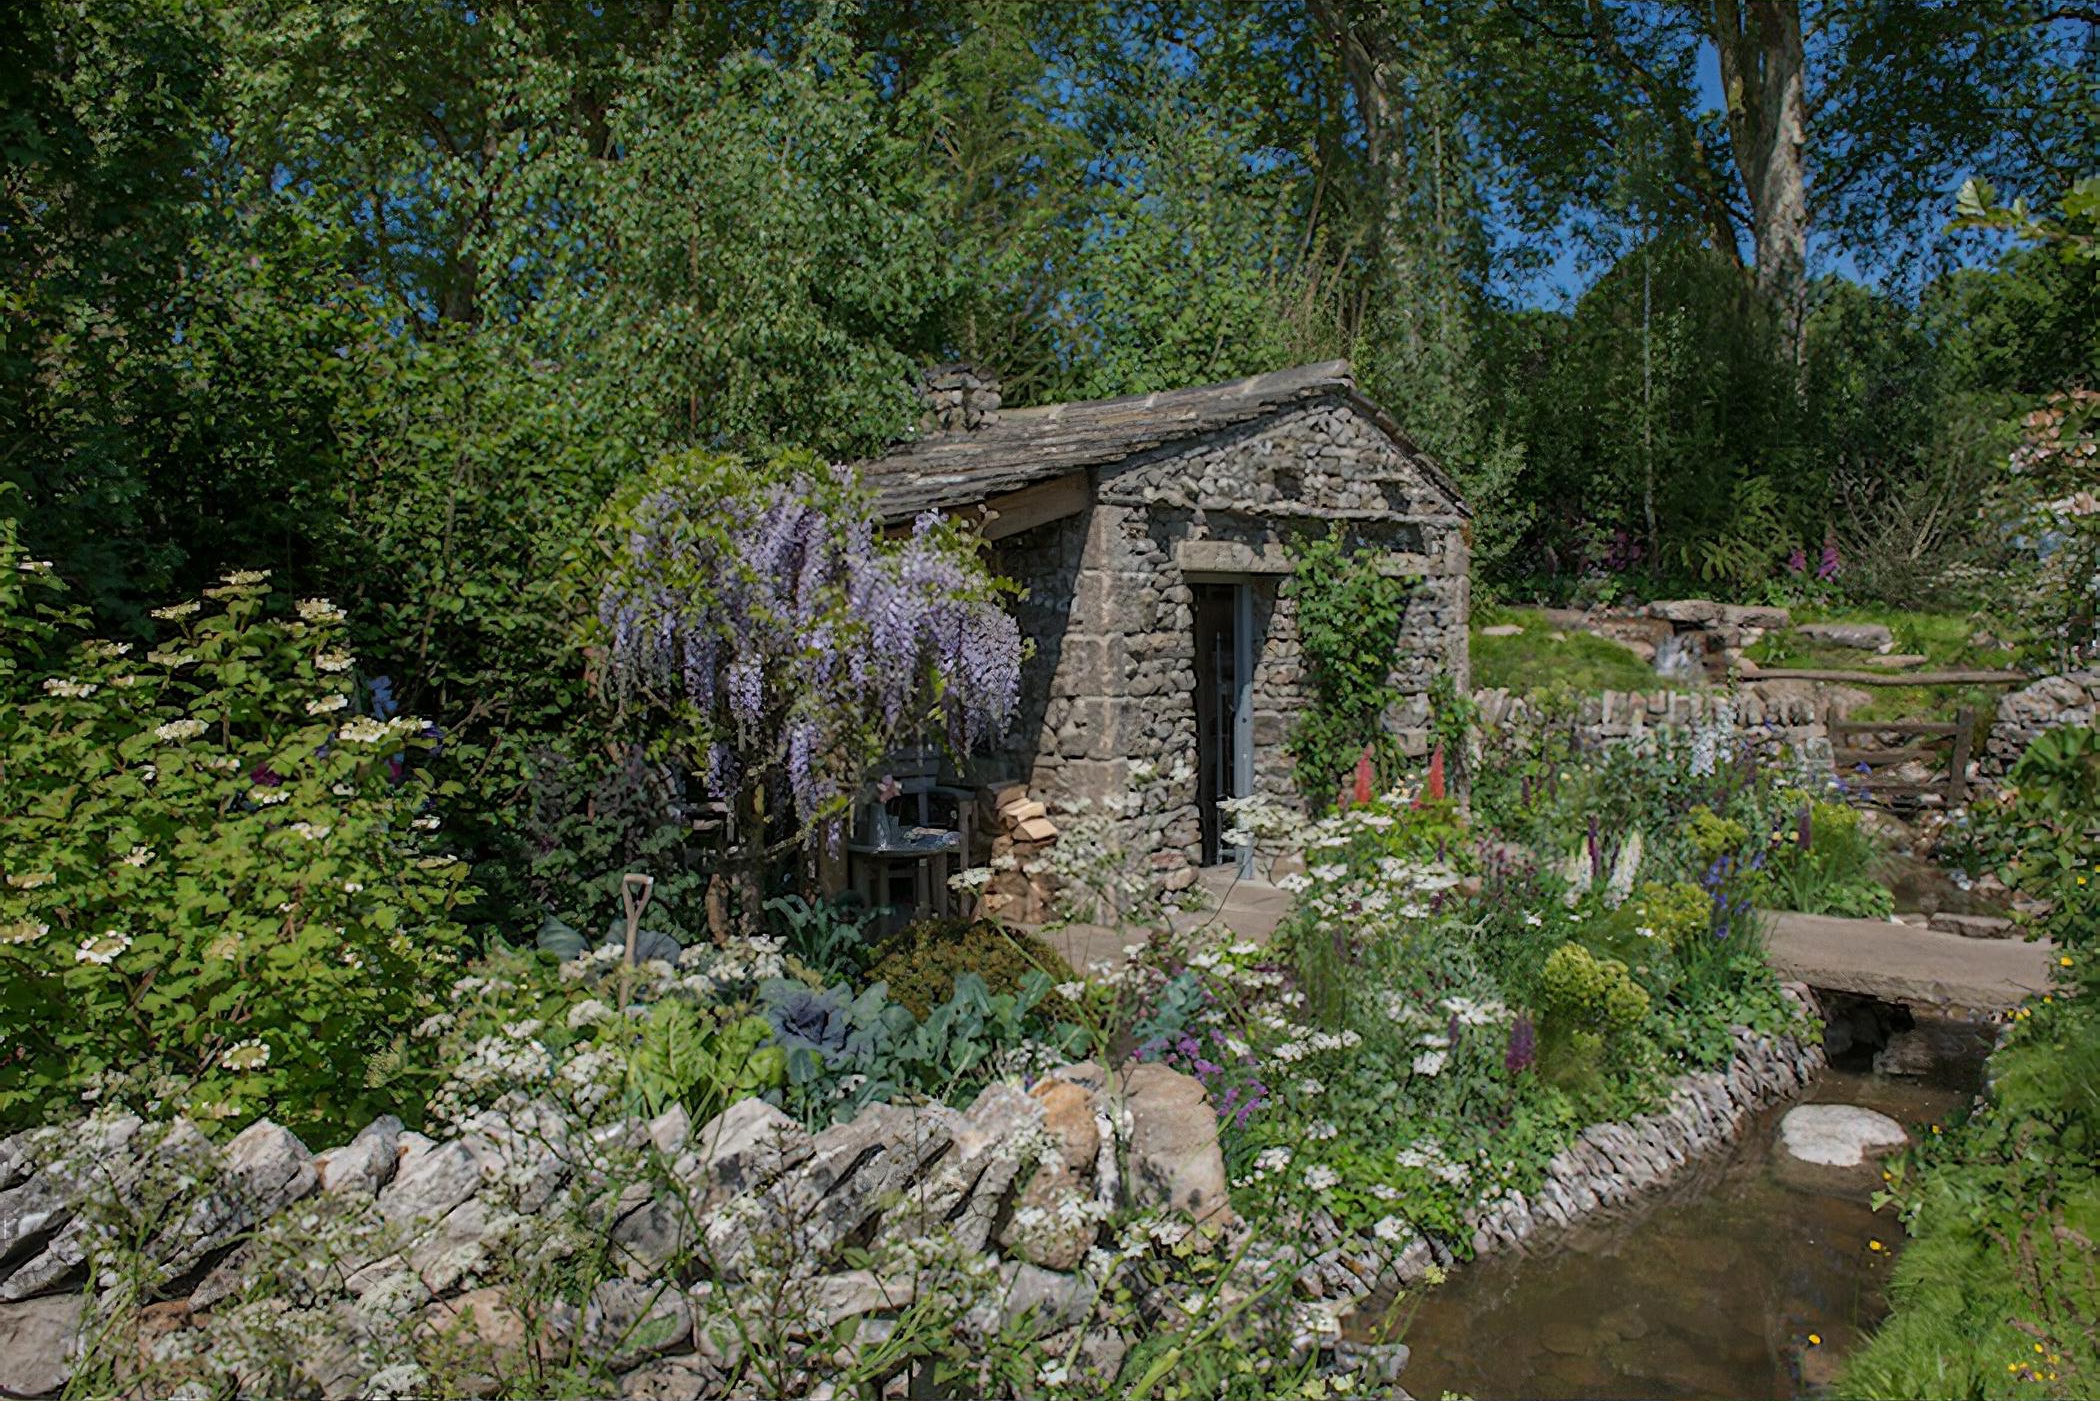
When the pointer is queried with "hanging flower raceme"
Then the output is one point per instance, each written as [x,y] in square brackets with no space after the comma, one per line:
[764,602]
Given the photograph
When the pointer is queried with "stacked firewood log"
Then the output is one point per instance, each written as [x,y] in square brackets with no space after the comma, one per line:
[1019,831]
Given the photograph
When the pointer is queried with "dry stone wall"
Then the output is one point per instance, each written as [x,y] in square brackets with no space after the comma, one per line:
[1774,716]
[2024,715]
[715,1235]
[743,1232]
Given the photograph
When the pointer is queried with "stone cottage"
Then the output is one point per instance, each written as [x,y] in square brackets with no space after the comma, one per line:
[1153,535]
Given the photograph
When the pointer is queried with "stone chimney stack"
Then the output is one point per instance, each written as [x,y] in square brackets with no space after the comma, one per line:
[959,398]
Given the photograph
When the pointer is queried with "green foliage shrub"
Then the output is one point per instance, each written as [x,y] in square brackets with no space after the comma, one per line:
[921,964]
[1823,863]
[1678,912]
[1349,617]
[225,890]
[1712,837]
[598,815]
[846,1050]
[1583,992]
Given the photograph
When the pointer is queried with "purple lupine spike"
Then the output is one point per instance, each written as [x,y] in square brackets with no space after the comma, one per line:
[1523,1046]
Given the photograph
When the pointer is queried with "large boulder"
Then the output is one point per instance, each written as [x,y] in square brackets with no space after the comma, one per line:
[1863,637]
[430,1183]
[1838,1135]
[1691,612]
[1054,1221]
[364,1164]
[1175,1161]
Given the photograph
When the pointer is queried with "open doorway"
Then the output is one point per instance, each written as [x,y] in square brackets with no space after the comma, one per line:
[1224,617]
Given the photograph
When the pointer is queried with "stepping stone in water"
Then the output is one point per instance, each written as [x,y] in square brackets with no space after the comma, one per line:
[1838,1135]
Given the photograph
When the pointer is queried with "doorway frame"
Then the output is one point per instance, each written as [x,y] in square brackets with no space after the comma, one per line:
[1241,772]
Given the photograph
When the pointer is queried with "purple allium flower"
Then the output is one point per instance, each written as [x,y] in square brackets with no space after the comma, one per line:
[1523,1046]
[1832,562]
[1797,562]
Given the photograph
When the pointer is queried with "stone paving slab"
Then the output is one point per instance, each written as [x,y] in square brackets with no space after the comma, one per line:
[1248,909]
[1907,963]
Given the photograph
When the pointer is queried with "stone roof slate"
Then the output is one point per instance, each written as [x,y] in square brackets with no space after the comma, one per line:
[942,471]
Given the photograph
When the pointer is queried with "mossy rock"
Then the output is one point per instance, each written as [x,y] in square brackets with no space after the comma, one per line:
[922,961]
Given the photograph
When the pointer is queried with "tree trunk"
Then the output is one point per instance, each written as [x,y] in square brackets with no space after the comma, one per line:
[1372,71]
[1764,79]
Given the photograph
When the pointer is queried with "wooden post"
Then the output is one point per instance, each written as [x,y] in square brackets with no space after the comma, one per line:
[1958,773]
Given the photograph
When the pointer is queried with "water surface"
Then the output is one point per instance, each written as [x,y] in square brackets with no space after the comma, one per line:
[1709,1290]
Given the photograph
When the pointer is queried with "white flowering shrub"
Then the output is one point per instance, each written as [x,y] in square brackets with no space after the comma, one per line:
[221,888]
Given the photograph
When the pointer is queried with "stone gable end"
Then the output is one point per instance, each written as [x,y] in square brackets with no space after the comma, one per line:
[1111,595]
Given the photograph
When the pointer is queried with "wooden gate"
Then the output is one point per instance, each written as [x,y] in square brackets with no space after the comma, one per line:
[1868,766]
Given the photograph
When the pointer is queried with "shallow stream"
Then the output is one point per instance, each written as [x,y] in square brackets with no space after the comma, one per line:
[1712,1289]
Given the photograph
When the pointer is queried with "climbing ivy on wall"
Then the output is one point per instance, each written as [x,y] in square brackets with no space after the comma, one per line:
[1349,616]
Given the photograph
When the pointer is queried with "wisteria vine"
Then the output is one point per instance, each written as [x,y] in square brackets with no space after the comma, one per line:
[766,605]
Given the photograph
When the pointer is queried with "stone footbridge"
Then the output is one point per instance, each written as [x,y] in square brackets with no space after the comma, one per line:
[1927,970]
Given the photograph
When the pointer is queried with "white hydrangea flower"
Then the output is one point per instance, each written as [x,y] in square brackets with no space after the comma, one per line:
[327,705]
[69,689]
[1320,1177]
[102,948]
[1431,1063]
[176,611]
[253,1053]
[363,729]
